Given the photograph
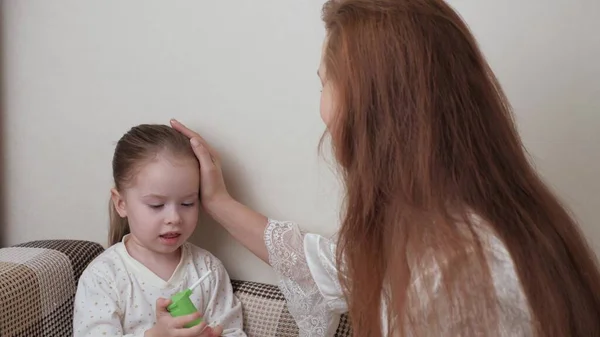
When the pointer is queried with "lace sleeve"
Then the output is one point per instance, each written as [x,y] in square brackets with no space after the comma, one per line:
[307,304]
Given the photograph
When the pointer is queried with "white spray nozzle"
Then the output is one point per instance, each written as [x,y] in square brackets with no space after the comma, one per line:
[197,283]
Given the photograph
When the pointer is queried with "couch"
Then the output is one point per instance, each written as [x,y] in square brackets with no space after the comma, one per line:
[38,280]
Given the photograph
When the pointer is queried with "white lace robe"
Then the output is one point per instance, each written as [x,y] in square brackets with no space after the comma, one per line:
[305,265]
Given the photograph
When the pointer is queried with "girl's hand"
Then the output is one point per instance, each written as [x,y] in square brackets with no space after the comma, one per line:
[212,185]
[168,326]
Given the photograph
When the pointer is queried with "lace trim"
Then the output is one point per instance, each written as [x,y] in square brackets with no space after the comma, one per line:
[285,244]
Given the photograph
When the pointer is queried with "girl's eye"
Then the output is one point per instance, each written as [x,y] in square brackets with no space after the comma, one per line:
[155,206]
[188,204]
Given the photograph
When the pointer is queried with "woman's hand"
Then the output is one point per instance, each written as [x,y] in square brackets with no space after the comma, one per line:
[243,223]
[212,185]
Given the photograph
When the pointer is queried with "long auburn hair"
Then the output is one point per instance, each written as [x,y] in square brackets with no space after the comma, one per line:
[424,136]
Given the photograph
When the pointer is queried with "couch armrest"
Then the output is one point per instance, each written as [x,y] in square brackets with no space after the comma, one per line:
[38,280]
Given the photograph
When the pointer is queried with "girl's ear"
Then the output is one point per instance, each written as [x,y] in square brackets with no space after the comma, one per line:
[118,202]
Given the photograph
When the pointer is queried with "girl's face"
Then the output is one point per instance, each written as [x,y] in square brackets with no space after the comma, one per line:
[162,203]
[327,92]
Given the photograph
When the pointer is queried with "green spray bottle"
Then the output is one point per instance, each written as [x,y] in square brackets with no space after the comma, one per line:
[182,305]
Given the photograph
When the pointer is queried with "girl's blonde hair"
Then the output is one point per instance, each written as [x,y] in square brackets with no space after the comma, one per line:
[139,145]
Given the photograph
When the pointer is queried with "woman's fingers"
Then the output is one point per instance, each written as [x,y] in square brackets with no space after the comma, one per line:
[183,129]
[177,125]
[212,186]
[204,156]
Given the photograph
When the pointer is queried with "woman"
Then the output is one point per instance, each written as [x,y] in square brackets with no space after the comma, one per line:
[447,229]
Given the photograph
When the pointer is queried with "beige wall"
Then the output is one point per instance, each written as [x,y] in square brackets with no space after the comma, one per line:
[79,74]
[2,135]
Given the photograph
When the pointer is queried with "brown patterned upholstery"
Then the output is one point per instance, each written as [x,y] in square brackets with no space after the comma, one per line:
[265,312]
[37,286]
[38,280]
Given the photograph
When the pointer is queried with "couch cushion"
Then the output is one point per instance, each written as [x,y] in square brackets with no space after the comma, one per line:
[38,281]
[266,314]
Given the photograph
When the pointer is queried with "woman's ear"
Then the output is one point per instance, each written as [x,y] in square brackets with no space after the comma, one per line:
[118,202]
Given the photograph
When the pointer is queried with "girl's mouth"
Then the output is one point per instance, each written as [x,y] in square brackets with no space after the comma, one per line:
[170,238]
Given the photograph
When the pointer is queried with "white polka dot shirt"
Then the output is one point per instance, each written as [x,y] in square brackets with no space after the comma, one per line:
[116,294]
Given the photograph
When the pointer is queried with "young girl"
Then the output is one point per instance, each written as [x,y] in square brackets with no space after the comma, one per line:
[153,211]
